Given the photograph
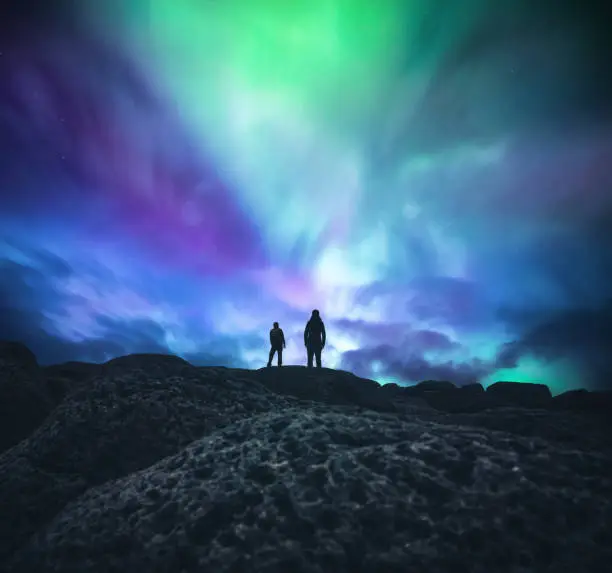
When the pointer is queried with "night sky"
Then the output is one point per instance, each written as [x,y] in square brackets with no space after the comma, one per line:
[435,176]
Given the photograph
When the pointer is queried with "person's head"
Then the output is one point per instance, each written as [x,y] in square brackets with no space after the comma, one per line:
[276,325]
[315,313]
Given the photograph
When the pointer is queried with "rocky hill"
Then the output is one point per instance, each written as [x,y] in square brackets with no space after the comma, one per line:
[149,463]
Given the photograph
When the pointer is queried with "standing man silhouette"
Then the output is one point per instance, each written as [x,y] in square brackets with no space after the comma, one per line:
[277,343]
[314,338]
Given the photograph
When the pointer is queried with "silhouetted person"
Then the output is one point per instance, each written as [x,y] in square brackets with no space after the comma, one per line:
[314,338]
[277,343]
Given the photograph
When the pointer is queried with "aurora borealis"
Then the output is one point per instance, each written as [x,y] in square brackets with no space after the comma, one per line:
[435,176]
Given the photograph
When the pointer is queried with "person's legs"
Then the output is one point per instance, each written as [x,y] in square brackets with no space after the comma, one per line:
[318,356]
[310,355]
[272,351]
[280,356]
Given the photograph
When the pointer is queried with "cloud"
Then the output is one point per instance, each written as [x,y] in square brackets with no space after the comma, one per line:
[34,304]
[460,373]
[23,291]
[581,335]
[410,365]
[449,300]
[395,334]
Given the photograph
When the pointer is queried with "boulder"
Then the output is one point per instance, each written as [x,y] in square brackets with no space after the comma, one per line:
[391,388]
[64,378]
[327,386]
[129,416]
[472,389]
[24,398]
[316,488]
[470,398]
[152,464]
[522,394]
[584,401]
[432,386]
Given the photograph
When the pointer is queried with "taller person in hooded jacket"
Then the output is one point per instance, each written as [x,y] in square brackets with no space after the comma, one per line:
[314,338]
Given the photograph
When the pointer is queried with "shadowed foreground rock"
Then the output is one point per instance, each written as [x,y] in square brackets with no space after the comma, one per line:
[24,397]
[521,394]
[151,464]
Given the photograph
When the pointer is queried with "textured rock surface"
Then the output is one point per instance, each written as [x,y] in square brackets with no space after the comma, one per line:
[24,397]
[64,378]
[130,415]
[583,401]
[149,463]
[521,394]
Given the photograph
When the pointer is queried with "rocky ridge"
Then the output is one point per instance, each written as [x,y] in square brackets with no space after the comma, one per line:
[149,462]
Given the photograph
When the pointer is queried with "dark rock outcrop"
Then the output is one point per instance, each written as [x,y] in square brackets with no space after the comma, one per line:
[130,415]
[520,394]
[429,386]
[446,397]
[327,386]
[584,401]
[149,463]
[24,397]
[64,378]
[471,398]
[472,389]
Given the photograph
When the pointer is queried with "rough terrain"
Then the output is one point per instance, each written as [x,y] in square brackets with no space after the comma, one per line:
[149,463]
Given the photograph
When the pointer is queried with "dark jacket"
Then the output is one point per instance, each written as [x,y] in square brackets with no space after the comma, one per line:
[314,333]
[277,338]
